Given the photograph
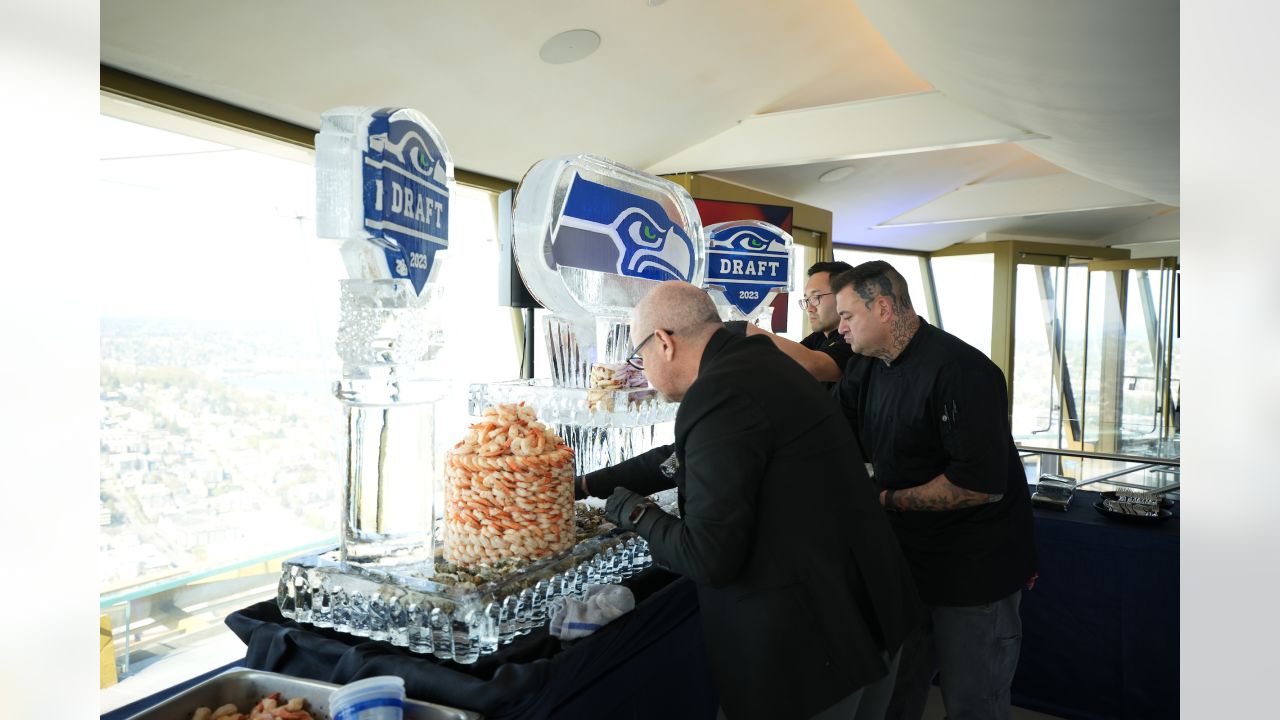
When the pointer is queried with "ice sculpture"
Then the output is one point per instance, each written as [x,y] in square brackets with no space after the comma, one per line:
[382,189]
[592,237]
[748,264]
[383,179]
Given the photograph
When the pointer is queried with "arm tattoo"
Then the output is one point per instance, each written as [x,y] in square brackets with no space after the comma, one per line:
[940,494]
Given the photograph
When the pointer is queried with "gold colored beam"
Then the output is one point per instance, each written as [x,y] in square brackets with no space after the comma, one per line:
[1063,250]
[135,87]
[1003,292]
[482,181]
[1028,247]
[1139,264]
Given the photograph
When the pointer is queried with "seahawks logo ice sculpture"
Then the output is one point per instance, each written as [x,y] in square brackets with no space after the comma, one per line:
[382,187]
[592,236]
[748,264]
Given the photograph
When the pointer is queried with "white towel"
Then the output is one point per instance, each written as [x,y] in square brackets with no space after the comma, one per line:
[572,618]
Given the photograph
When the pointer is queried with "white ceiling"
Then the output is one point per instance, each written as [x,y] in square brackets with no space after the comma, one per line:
[1037,117]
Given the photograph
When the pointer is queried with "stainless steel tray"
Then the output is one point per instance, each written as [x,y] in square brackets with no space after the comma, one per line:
[246,687]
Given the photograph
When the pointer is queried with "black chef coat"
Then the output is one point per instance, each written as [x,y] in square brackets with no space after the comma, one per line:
[942,408]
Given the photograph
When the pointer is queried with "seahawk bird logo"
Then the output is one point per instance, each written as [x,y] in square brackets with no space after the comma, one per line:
[410,151]
[610,230]
[748,240]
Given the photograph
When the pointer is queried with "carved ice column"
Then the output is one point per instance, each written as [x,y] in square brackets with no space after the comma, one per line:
[382,189]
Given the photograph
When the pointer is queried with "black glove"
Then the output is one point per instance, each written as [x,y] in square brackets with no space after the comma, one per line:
[736,327]
[622,503]
[578,492]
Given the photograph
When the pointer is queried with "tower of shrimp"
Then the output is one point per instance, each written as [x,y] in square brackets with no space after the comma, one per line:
[508,490]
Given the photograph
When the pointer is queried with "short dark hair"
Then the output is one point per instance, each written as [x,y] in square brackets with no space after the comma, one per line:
[873,279]
[831,267]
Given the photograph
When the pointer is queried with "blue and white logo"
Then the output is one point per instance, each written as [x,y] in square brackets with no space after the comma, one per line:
[614,231]
[749,260]
[406,195]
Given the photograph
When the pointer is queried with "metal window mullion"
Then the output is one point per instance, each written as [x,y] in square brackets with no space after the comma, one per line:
[1055,332]
[1168,313]
[1084,370]
[930,290]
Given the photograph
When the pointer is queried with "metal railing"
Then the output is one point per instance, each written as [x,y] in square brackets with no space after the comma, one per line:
[1141,463]
[161,595]
[1064,452]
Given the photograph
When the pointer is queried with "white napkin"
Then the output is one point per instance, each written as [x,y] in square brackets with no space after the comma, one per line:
[572,618]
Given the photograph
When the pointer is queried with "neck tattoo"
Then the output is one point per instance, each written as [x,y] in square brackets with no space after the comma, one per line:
[903,329]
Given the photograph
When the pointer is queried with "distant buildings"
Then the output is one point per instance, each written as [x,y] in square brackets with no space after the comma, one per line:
[199,470]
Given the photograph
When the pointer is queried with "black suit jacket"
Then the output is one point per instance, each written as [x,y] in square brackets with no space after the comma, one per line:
[800,581]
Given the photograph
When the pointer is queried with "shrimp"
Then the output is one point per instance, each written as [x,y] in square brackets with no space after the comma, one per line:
[507,489]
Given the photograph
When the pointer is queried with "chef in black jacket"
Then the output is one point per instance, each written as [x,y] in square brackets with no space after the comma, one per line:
[932,413]
[805,596]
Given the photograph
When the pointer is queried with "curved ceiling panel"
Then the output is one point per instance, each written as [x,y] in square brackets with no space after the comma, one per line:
[1099,78]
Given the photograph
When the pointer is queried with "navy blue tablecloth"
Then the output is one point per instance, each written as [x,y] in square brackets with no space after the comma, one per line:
[1100,629]
[649,663]
[1100,640]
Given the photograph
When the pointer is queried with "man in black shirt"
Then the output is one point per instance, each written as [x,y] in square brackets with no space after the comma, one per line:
[804,600]
[824,353]
[931,413]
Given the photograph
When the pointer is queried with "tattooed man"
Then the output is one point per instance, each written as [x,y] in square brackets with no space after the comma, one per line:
[932,414]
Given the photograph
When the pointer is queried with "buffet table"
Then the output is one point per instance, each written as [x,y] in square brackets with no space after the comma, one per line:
[1100,629]
[1100,640]
[648,663]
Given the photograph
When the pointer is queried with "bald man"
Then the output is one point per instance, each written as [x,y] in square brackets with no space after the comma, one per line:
[805,596]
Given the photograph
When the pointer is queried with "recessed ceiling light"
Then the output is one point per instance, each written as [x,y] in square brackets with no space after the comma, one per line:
[837,174]
[569,46]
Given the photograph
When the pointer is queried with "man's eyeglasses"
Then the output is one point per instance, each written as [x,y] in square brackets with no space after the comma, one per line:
[634,359]
[811,301]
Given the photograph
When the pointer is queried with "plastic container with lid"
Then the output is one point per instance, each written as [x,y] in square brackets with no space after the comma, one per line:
[375,698]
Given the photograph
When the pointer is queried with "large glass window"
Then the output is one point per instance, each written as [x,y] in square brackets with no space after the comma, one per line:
[1133,382]
[216,339]
[219,429]
[1048,346]
[1096,356]
[217,426]
[965,284]
[1036,354]
[906,265]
